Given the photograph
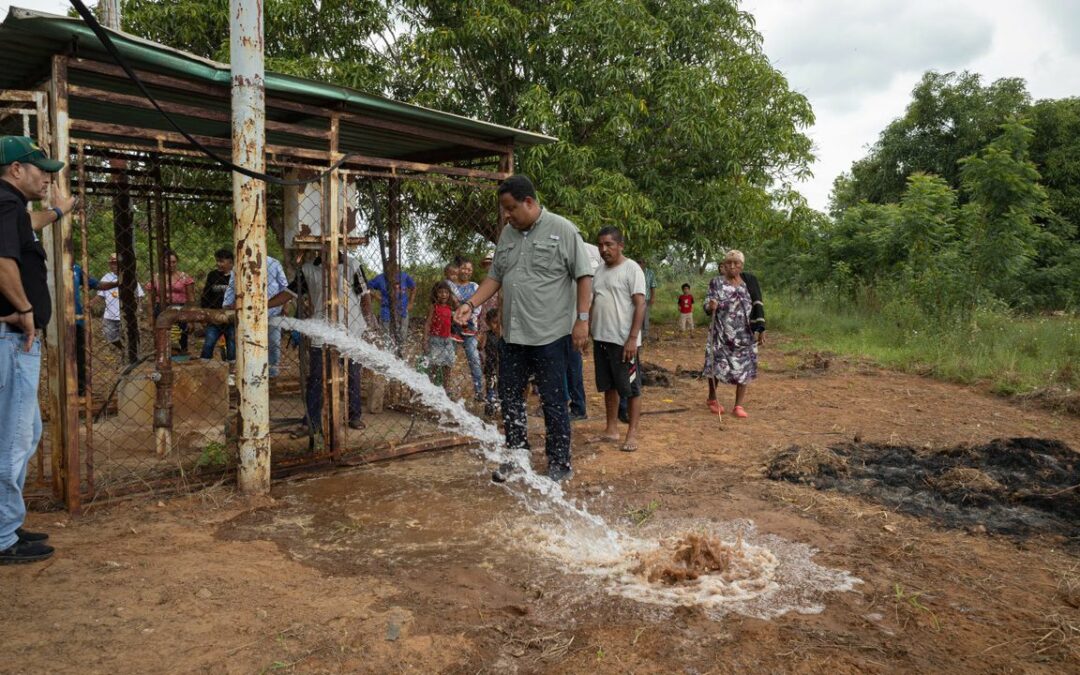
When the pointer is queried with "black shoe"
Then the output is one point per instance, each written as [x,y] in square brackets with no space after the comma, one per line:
[501,474]
[25,552]
[30,536]
[624,417]
[560,473]
[577,417]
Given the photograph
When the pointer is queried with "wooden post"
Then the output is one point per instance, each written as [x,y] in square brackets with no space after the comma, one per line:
[60,334]
[334,387]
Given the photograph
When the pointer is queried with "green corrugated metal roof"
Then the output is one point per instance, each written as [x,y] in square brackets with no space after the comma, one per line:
[28,40]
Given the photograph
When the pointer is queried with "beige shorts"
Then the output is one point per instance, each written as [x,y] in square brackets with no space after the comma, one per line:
[686,321]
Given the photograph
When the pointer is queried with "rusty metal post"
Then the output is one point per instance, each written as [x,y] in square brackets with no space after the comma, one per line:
[249,231]
[60,335]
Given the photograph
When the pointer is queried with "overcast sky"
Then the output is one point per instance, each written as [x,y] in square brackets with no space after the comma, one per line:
[858,60]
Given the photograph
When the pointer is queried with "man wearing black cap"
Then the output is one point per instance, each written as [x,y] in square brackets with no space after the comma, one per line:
[25,308]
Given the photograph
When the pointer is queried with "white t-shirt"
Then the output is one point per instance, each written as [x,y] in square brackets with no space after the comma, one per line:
[594,256]
[613,305]
[313,277]
[112,297]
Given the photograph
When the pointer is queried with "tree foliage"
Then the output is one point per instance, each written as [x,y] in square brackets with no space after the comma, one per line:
[950,116]
[672,123]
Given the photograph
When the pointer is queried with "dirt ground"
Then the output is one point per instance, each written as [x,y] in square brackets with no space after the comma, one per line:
[411,566]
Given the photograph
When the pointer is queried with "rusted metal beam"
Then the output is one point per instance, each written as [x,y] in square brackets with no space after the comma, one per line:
[121,131]
[190,111]
[249,220]
[356,160]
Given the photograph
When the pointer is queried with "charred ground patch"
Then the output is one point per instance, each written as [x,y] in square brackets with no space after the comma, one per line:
[1012,486]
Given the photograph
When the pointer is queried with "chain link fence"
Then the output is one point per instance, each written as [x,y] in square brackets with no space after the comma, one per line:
[154,232]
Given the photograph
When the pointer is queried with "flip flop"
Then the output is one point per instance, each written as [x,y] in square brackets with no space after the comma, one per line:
[602,439]
[628,447]
[715,406]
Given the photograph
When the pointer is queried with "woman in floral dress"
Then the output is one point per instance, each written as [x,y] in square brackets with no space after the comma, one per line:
[737,328]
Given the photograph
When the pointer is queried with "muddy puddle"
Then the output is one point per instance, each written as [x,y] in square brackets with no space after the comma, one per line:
[1014,486]
[443,534]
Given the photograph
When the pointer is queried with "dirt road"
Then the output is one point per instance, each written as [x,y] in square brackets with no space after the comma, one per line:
[415,565]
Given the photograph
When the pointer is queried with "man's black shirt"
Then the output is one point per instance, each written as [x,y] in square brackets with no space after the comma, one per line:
[19,242]
[213,292]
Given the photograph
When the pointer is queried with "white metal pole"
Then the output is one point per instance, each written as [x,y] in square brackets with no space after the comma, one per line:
[249,227]
[110,14]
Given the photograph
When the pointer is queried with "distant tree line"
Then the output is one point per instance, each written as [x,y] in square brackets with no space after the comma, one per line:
[971,198]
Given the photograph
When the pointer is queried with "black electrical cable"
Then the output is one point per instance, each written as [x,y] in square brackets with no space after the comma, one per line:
[107,42]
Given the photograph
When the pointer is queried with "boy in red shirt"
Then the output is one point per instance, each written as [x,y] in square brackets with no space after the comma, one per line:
[686,310]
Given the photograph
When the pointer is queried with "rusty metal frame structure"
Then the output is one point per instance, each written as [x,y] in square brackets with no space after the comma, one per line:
[73,136]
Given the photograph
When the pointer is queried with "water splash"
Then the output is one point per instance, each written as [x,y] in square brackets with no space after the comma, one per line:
[780,575]
[523,483]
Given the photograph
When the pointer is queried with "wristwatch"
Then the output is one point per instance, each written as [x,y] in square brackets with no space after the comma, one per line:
[582,316]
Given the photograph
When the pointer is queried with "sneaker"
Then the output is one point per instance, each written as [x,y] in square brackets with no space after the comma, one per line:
[25,552]
[502,474]
[357,424]
[715,406]
[560,473]
[738,411]
[624,417]
[25,535]
[577,417]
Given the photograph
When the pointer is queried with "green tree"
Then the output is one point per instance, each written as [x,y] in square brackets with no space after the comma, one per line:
[951,116]
[672,123]
[347,42]
[1006,202]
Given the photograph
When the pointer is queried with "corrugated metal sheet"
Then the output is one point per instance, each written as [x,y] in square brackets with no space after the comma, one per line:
[29,39]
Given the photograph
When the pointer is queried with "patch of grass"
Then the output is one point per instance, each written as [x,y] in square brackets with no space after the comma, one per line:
[910,601]
[1014,354]
[213,456]
[641,515]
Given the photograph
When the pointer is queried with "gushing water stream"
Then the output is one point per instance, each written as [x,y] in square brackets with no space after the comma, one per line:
[767,576]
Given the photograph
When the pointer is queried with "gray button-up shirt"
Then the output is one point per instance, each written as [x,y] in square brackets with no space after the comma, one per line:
[538,271]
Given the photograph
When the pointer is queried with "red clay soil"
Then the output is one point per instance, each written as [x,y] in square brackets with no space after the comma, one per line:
[212,582]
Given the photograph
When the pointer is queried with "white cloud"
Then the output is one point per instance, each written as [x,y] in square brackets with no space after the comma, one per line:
[857,61]
[838,52]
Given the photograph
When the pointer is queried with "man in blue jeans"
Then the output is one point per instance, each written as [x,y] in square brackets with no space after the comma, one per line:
[25,308]
[545,315]
[213,297]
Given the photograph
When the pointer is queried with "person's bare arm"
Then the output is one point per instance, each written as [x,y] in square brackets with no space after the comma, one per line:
[580,333]
[630,347]
[12,288]
[280,299]
[488,287]
[39,220]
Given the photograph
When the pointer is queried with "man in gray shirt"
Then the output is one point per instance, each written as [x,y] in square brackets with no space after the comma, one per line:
[545,315]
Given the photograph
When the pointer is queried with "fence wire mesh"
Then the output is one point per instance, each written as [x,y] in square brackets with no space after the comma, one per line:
[154,231]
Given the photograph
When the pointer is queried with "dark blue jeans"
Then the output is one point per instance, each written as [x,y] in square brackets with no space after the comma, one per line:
[575,383]
[547,363]
[314,398]
[214,331]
